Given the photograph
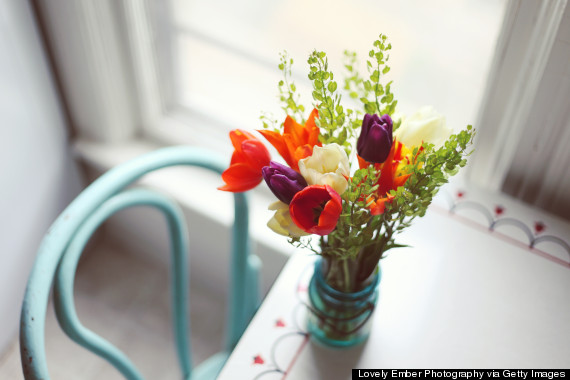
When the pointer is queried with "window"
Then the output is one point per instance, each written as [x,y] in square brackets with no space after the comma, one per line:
[224,54]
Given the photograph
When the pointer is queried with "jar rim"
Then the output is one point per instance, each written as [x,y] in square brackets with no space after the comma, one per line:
[368,289]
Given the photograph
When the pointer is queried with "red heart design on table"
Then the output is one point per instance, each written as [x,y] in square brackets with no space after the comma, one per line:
[258,360]
[539,227]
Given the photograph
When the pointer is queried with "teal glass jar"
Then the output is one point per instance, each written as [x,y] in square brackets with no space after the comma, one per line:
[339,319]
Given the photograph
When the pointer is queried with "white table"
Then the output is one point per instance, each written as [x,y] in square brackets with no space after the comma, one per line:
[463,297]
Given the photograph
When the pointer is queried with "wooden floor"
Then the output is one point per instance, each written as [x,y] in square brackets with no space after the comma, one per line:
[127,301]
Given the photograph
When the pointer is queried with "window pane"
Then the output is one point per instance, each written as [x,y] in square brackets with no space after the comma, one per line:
[227,51]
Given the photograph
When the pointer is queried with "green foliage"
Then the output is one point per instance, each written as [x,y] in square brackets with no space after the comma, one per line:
[269,122]
[358,229]
[429,171]
[353,82]
[288,91]
[374,96]
[338,124]
[332,116]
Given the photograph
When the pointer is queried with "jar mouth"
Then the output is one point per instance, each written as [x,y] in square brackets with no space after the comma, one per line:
[364,292]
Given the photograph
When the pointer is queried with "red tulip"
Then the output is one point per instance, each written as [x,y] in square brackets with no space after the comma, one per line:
[249,157]
[316,209]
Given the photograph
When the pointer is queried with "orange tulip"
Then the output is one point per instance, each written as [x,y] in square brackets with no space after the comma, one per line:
[249,157]
[390,177]
[297,141]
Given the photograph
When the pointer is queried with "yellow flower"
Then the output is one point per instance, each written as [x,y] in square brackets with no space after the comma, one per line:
[281,222]
[328,165]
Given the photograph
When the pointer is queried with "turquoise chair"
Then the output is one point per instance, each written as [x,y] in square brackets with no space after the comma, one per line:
[64,242]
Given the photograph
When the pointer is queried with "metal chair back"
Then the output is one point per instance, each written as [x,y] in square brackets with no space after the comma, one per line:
[64,242]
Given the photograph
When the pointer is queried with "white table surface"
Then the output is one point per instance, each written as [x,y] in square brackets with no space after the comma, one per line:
[462,296]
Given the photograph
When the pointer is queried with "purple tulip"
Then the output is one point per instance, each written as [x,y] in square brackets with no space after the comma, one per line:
[375,140]
[283,181]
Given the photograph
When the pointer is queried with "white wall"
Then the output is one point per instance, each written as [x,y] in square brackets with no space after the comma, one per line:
[37,175]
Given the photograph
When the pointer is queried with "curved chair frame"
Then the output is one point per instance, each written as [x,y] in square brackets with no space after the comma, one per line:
[65,276]
[64,242]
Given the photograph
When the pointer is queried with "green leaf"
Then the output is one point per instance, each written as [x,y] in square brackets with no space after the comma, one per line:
[342,136]
[332,86]
[375,77]
[370,108]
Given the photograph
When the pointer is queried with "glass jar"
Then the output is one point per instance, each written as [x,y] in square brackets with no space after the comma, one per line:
[340,319]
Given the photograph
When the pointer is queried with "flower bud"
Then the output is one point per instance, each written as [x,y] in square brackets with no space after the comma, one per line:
[375,140]
[425,125]
[328,165]
[283,181]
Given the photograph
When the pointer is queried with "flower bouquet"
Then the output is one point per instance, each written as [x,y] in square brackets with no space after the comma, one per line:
[353,177]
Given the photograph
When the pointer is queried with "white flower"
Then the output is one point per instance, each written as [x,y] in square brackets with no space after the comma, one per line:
[281,223]
[328,165]
[425,125]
